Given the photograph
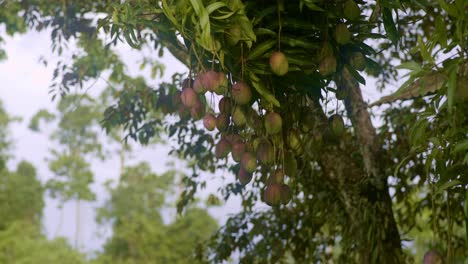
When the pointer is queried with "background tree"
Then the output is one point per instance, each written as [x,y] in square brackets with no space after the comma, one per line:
[77,133]
[139,232]
[21,206]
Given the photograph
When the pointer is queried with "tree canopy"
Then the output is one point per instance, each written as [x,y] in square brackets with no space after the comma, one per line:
[278,85]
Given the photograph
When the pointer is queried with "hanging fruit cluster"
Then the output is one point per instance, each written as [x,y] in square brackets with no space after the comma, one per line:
[252,138]
[253,73]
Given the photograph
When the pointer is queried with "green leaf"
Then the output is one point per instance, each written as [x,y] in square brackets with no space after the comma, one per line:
[265,31]
[418,132]
[462,146]
[447,185]
[214,6]
[311,5]
[258,85]
[410,65]
[402,163]
[389,25]
[294,42]
[358,77]
[261,48]
[441,31]
[168,13]
[466,216]
[425,53]
[450,9]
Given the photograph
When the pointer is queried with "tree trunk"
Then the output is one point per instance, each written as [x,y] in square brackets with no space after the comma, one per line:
[361,186]
[371,205]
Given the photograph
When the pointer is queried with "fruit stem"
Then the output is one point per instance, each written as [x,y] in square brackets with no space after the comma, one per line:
[198,58]
[242,60]
[279,25]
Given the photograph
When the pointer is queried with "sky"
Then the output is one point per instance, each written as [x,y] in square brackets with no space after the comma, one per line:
[24,90]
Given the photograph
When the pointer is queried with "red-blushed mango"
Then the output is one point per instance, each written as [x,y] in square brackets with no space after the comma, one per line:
[241,93]
[248,162]
[279,63]
[209,122]
[222,121]
[221,84]
[265,152]
[189,97]
[225,105]
[273,123]
[272,194]
[238,117]
[276,177]
[238,149]
[243,176]
[223,148]
[432,257]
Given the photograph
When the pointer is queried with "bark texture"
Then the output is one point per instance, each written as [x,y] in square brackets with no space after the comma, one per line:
[368,199]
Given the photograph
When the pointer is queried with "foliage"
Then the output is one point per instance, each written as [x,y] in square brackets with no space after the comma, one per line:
[346,175]
[139,233]
[79,137]
[23,243]
[134,211]
[21,197]
[21,205]
[5,119]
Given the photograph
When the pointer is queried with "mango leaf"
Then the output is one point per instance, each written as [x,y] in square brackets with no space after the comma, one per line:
[265,31]
[168,12]
[466,216]
[447,185]
[217,5]
[294,42]
[261,48]
[425,53]
[389,25]
[214,6]
[462,146]
[441,31]
[311,5]
[258,85]
[202,14]
[450,9]
[410,65]
[356,75]
[248,35]
[418,132]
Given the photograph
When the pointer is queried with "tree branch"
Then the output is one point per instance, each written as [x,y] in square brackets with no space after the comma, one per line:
[177,49]
[356,109]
